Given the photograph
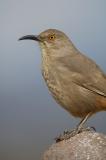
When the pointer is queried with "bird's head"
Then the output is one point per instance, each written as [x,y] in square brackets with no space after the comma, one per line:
[51,41]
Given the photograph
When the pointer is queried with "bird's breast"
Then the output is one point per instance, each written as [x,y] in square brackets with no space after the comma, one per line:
[52,80]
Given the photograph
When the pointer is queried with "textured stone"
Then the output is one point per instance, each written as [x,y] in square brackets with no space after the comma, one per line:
[84,146]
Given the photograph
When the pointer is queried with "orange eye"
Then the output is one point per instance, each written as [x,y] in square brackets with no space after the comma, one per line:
[52,37]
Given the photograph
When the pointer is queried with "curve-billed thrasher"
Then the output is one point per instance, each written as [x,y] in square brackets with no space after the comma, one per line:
[75,81]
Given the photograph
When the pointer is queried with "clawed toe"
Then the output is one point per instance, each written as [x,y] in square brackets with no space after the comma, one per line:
[68,134]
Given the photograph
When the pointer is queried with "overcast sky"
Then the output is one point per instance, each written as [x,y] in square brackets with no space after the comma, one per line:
[29,117]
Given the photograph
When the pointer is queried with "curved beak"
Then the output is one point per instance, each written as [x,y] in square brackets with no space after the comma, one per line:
[30,37]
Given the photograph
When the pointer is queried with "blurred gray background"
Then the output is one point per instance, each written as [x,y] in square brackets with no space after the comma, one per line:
[29,117]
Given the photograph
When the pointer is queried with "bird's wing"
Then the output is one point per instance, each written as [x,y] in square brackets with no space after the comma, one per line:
[85,73]
[94,88]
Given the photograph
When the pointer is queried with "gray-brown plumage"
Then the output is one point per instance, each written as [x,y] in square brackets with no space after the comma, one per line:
[75,81]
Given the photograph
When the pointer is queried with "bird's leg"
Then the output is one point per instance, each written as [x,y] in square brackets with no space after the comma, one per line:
[80,128]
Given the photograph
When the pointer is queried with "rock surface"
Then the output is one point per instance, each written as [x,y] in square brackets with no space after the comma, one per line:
[84,146]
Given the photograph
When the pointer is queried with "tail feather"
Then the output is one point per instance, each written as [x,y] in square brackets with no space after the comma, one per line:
[101,103]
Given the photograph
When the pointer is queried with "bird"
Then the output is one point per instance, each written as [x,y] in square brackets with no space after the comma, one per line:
[75,81]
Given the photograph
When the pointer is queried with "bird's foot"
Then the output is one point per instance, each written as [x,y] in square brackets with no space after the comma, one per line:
[68,134]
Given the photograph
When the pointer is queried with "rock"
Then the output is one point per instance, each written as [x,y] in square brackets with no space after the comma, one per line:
[84,146]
